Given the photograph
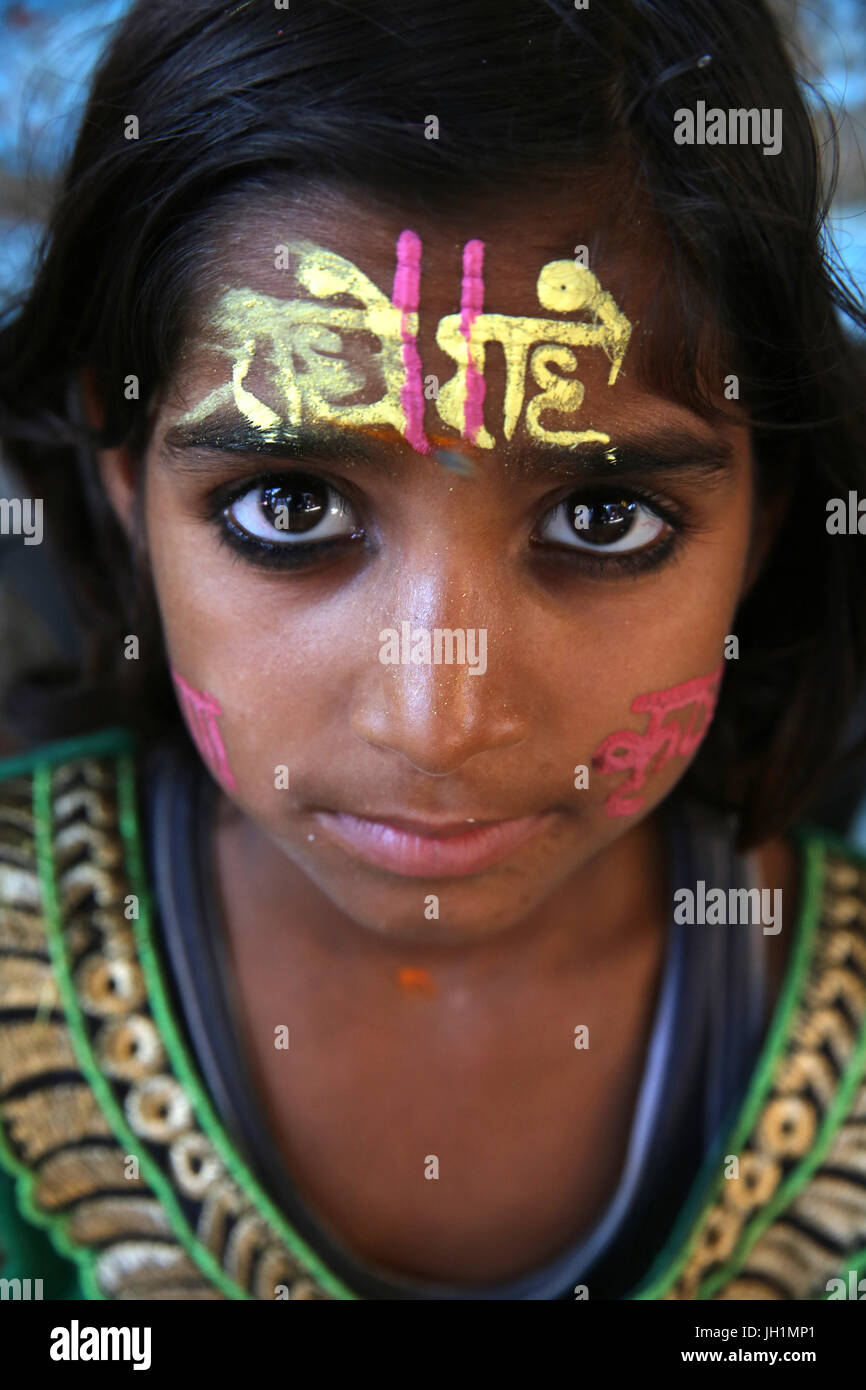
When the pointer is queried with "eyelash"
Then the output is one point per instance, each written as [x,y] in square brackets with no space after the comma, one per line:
[303,554]
[276,555]
[597,564]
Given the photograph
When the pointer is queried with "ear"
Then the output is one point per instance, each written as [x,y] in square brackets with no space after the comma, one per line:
[116,467]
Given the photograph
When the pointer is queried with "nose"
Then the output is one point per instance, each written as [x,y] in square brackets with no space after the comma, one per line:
[440,692]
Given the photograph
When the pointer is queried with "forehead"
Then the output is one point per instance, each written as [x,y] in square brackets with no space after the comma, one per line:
[523,229]
[525,318]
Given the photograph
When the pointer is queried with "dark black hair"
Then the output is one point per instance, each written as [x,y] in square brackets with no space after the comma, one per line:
[235,102]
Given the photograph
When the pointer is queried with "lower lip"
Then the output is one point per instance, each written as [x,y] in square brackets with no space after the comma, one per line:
[428,856]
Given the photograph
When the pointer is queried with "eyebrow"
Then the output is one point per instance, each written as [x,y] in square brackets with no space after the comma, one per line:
[652,448]
[228,433]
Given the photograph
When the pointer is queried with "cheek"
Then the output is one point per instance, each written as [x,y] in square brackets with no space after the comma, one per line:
[658,664]
[202,712]
[249,725]
[252,690]
[676,721]
[255,671]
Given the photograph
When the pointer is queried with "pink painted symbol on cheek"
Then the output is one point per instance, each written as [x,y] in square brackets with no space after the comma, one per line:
[471,305]
[650,751]
[201,711]
[406,298]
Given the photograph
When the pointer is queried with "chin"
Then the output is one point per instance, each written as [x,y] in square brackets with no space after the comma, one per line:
[466,931]
[468,912]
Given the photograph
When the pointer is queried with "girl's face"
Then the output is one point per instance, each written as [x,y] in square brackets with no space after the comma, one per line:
[580,562]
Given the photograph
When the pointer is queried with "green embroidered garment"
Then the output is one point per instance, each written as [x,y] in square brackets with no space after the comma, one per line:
[118,1180]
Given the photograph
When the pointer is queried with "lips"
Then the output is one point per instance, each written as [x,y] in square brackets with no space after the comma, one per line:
[431,849]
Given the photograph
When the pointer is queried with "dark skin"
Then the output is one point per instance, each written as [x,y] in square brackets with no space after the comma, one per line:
[477,1065]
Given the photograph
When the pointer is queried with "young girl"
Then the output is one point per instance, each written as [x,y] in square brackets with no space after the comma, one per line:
[440,411]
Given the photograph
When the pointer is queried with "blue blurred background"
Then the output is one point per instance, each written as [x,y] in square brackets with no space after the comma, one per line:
[49,48]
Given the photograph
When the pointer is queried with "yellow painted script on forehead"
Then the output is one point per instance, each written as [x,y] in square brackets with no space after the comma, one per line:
[306,342]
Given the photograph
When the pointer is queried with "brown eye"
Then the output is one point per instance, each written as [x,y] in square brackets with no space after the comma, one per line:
[603,524]
[299,506]
[295,507]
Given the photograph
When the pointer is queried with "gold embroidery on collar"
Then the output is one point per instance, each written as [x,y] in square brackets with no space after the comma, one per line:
[56,1127]
[787,1261]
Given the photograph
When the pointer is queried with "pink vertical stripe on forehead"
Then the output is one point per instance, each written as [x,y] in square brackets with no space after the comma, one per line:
[406,297]
[471,305]
[201,711]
